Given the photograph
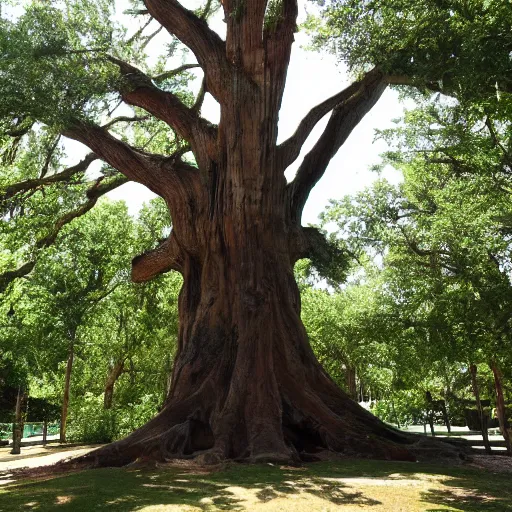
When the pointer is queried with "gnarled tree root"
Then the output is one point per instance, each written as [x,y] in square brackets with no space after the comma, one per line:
[310,430]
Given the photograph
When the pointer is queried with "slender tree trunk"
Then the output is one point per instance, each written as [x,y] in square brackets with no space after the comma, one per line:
[500,405]
[483,420]
[67,387]
[45,432]
[446,418]
[430,412]
[351,381]
[17,427]
[394,412]
[115,372]
[431,421]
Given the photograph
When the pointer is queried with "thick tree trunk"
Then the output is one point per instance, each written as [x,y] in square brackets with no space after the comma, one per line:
[246,384]
[115,372]
[67,387]
[500,406]
[483,420]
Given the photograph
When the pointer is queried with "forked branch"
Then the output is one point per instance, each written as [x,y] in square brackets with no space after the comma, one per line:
[289,150]
[136,165]
[192,31]
[344,118]
[142,92]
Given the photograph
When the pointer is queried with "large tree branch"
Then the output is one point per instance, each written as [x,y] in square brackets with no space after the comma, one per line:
[194,32]
[98,189]
[169,177]
[136,165]
[167,256]
[6,278]
[344,118]
[66,174]
[289,150]
[142,92]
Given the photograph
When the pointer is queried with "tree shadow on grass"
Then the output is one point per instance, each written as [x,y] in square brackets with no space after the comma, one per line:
[123,490]
[474,491]
[243,487]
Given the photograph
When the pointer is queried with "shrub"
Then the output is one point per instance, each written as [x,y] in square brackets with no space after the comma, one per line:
[407,407]
[89,422]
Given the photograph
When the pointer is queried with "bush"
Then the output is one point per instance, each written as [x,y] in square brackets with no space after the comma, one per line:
[133,416]
[406,408]
[89,422]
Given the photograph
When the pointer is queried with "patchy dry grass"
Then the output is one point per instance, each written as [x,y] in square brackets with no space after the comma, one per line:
[346,485]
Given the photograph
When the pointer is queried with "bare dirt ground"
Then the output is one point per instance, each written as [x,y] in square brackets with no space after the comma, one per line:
[493,463]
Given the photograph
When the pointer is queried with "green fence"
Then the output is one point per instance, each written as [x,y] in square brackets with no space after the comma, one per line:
[29,430]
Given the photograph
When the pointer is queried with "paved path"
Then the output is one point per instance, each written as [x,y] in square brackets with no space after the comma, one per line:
[35,456]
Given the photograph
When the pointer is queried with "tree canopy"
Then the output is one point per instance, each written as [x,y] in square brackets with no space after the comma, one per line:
[429,279]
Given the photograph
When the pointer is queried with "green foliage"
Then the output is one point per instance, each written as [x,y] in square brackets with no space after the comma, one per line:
[407,407]
[463,47]
[50,66]
[431,291]
[273,14]
[89,422]
[80,292]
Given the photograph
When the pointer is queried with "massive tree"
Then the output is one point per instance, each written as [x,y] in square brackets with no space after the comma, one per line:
[245,384]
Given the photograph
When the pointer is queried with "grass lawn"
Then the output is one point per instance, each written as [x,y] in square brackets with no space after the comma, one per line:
[325,486]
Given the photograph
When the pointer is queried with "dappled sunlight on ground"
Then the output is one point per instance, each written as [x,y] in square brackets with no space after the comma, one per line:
[346,485]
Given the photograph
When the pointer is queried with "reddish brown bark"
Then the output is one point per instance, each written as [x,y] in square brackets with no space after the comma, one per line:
[246,384]
[500,405]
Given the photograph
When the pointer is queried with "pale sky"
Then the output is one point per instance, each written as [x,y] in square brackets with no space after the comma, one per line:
[312,77]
